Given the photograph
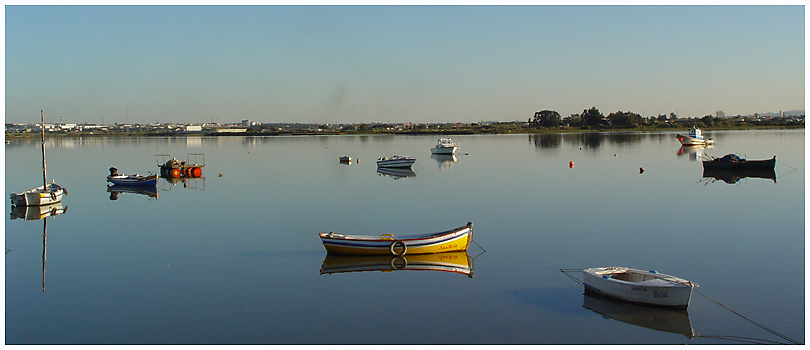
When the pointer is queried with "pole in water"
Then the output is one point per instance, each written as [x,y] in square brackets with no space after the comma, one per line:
[42,131]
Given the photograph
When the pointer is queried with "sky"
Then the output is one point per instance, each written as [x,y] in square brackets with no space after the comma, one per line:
[397,64]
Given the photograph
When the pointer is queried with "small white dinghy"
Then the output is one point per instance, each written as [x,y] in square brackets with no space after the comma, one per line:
[639,286]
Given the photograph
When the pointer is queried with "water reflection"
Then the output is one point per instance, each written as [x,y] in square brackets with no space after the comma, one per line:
[455,262]
[655,318]
[445,161]
[37,212]
[546,140]
[194,183]
[148,191]
[396,173]
[732,177]
[592,140]
[694,153]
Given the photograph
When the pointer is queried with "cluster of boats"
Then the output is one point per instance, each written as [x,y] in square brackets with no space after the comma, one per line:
[348,252]
[172,169]
[50,194]
[729,166]
[399,166]
[444,146]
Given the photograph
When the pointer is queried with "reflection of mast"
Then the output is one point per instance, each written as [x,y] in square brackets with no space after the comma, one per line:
[44,244]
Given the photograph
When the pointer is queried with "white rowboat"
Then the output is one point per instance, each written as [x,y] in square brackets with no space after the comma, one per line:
[639,286]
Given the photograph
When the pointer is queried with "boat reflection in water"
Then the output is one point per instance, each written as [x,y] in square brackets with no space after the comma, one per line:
[195,183]
[695,153]
[734,176]
[651,317]
[396,173]
[148,191]
[445,161]
[455,262]
[38,212]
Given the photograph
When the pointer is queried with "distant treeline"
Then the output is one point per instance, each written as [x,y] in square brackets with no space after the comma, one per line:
[543,122]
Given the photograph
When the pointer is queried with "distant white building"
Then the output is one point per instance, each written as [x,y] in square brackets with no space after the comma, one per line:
[193,127]
[234,130]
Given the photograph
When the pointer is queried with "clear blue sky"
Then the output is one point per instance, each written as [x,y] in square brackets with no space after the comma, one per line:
[344,64]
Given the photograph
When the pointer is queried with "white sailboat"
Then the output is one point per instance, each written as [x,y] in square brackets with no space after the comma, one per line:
[48,193]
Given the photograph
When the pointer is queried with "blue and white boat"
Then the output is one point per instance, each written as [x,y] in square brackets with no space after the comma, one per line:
[694,138]
[131,180]
[396,162]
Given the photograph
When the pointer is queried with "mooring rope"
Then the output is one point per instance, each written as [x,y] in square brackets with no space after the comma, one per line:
[742,339]
[566,272]
[750,320]
[783,163]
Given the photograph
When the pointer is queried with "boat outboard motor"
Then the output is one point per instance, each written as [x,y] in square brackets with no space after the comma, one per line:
[113,171]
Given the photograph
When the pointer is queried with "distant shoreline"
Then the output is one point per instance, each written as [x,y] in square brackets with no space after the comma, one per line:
[492,129]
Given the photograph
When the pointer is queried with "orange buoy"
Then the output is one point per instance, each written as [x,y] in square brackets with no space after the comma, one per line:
[571,164]
[175,172]
[196,172]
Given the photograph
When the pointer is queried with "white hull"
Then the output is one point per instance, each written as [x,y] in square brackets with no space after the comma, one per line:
[38,196]
[444,146]
[692,141]
[444,150]
[396,162]
[639,286]
[694,138]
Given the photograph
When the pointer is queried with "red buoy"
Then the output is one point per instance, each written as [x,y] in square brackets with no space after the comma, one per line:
[571,164]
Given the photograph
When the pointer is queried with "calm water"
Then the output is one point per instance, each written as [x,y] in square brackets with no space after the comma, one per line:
[234,258]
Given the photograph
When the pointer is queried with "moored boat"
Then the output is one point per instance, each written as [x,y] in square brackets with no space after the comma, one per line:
[694,138]
[131,180]
[175,168]
[396,162]
[455,240]
[445,146]
[42,195]
[639,286]
[734,162]
[346,159]
[46,194]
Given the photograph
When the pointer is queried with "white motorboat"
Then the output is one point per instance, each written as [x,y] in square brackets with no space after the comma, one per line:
[48,193]
[396,162]
[639,286]
[445,146]
[694,138]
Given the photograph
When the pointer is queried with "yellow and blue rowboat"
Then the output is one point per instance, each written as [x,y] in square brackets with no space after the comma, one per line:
[455,240]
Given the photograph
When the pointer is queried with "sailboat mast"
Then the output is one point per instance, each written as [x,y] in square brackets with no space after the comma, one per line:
[42,129]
